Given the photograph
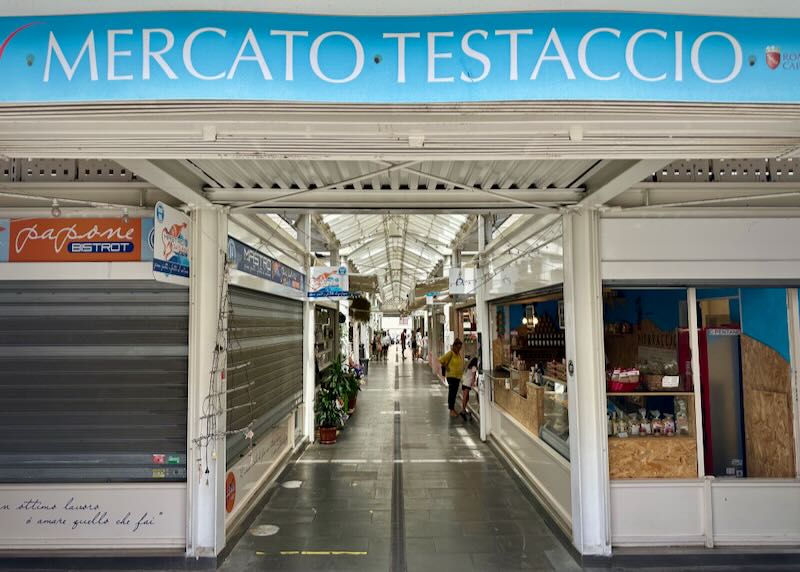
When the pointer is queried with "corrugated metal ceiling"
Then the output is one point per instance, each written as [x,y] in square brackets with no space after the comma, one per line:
[398,249]
[286,174]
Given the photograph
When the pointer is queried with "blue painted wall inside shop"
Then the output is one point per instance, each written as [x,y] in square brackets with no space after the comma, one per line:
[516,312]
[765,318]
[634,306]
[549,308]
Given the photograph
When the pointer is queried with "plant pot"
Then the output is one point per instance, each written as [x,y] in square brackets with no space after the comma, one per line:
[351,403]
[327,435]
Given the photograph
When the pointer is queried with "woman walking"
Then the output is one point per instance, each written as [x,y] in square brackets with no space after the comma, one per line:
[453,369]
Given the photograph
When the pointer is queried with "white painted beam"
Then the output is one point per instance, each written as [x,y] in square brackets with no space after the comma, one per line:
[163,175]
[617,178]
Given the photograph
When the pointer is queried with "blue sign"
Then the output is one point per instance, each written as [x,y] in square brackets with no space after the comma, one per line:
[599,56]
[148,239]
[250,261]
[179,269]
[171,244]
[5,233]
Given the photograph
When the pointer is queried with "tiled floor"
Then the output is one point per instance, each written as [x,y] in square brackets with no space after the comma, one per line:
[458,508]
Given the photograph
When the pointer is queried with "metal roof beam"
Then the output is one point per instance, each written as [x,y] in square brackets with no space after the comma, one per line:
[326,231]
[617,178]
[295,192]
[184,186]
[382,200]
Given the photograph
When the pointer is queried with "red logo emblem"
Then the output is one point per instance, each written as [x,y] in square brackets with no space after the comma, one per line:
[12,34]
[773,57]
[230,492]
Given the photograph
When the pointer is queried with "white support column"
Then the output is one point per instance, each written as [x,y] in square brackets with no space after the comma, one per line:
[482,318]
[793,307]
[583,306]
[309,370]
[206,510]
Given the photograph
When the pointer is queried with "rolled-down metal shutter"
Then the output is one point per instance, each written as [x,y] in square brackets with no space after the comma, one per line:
[265,364]
[93,381]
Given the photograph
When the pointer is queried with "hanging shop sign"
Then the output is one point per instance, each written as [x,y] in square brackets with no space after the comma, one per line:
[462,281]
[577,56]
[172,245]
[76,240]
[329,282]
[250,261]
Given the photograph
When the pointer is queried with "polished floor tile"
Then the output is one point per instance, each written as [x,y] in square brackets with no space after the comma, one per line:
[461,510]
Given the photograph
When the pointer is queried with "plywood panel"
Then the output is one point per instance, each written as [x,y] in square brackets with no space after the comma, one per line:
[769,435]
[528,411]
[652,457]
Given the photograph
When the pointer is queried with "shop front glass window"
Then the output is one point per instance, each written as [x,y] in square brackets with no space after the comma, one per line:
[746,382]
[650,405]
[529,371]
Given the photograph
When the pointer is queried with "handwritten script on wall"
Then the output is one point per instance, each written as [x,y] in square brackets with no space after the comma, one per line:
[110,515]
[76,514]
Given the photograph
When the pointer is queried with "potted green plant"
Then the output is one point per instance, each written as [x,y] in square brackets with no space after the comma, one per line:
[337,380]
[328,414]
[353,387]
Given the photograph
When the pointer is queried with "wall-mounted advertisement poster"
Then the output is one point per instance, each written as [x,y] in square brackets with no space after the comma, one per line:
[251,261]
[172,245]
[76,240]
[329,282]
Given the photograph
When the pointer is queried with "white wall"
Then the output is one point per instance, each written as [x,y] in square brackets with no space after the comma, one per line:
[526,274]
[657,512]
[76,271]
[546,470]
[251,472]
[675,249]
[756,512]
[93,516]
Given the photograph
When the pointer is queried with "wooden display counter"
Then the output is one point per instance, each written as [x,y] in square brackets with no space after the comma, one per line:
[652,457]
[529,410]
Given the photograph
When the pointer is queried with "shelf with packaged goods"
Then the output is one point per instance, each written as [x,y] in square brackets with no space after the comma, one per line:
[645,438]
[647,455]
[649,393]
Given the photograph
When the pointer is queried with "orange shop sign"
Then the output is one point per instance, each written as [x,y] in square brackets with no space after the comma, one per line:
[76,240]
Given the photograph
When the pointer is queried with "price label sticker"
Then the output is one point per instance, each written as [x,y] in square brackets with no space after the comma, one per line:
[671,381]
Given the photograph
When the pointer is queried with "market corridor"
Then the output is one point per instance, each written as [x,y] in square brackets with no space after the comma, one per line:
[404,488]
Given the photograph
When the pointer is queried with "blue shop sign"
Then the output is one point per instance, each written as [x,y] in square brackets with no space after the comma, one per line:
[250,261]
[572,56]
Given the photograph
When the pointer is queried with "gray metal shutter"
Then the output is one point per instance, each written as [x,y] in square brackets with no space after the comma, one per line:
[265,364]
[94,381]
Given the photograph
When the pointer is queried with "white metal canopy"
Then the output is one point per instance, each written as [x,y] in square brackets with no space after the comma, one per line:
[400,249]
